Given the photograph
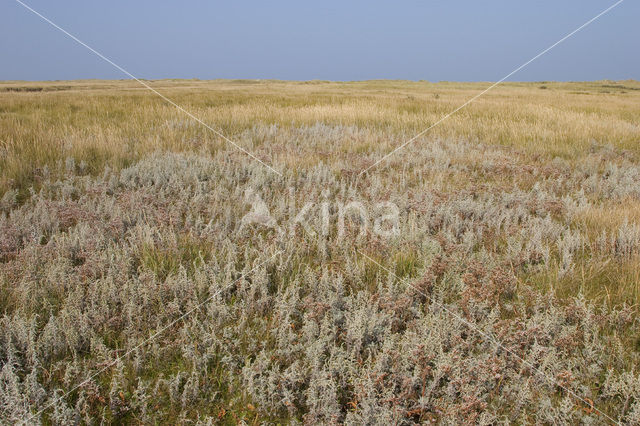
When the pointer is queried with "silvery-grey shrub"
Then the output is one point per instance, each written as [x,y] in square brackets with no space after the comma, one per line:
[93,266]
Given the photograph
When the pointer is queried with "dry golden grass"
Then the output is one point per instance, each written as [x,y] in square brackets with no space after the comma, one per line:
[614,281]
[115,122]
[608,217]
[520,215]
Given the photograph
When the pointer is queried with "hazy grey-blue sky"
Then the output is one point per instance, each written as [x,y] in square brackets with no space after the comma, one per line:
[330,40]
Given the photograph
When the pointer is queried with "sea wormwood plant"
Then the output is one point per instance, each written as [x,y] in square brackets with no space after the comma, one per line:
[92,266]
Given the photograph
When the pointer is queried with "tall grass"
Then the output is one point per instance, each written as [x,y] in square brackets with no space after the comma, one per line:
[116,122]
[519,215]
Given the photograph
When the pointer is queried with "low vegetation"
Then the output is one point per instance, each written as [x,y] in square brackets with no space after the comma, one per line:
[132,291]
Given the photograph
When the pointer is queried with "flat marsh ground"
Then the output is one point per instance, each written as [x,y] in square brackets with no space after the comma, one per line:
[151,272]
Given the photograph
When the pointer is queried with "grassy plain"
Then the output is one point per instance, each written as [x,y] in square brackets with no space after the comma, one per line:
[116,122]
[518,216]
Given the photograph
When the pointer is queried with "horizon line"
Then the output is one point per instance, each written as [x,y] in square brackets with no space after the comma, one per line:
[226,79]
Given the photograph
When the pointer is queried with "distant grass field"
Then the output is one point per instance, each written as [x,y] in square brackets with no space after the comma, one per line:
[487,273]
[116,122]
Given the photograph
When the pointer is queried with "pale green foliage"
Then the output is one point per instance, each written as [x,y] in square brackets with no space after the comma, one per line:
[93,266]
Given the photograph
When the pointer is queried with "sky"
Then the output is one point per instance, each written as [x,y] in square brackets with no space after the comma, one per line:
[328,40]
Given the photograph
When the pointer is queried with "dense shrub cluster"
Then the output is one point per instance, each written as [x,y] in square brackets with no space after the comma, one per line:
[305,328]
